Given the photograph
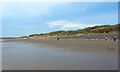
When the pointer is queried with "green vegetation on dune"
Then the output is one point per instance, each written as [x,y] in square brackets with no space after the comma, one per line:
[89,30]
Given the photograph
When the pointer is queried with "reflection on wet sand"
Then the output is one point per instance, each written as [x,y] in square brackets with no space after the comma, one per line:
[59,55]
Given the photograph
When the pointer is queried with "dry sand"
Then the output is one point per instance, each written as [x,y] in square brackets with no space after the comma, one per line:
[36,54]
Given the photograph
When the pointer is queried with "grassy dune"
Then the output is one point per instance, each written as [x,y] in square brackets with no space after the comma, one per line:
[96,32]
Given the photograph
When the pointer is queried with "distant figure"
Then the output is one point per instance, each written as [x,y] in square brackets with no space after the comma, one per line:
[58,38]
[114,38]
[106,38]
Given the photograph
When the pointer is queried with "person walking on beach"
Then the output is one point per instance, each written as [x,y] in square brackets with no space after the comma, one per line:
[58,38]
[106,38]
[114,38]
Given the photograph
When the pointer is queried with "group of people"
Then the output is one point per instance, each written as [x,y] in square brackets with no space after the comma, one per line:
[114,38]
[106,38]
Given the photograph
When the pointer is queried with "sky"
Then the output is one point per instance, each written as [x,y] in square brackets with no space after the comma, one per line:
[26,18]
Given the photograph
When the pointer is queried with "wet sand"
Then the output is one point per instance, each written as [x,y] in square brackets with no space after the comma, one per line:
[0,55]
[36,54]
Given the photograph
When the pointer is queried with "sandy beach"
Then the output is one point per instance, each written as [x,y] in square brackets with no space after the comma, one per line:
[0,54]
[37,54]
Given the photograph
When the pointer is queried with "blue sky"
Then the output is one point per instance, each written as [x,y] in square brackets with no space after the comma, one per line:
[25,18]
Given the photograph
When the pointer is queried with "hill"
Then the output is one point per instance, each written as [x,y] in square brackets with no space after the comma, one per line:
[99,29]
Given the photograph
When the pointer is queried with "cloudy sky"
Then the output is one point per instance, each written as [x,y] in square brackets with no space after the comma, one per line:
[25,18]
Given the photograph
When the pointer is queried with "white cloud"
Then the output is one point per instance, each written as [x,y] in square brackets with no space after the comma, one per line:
[64,24]
[71,25]
[57,23]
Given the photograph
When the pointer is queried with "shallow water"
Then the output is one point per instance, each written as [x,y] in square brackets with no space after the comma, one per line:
[26,56]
